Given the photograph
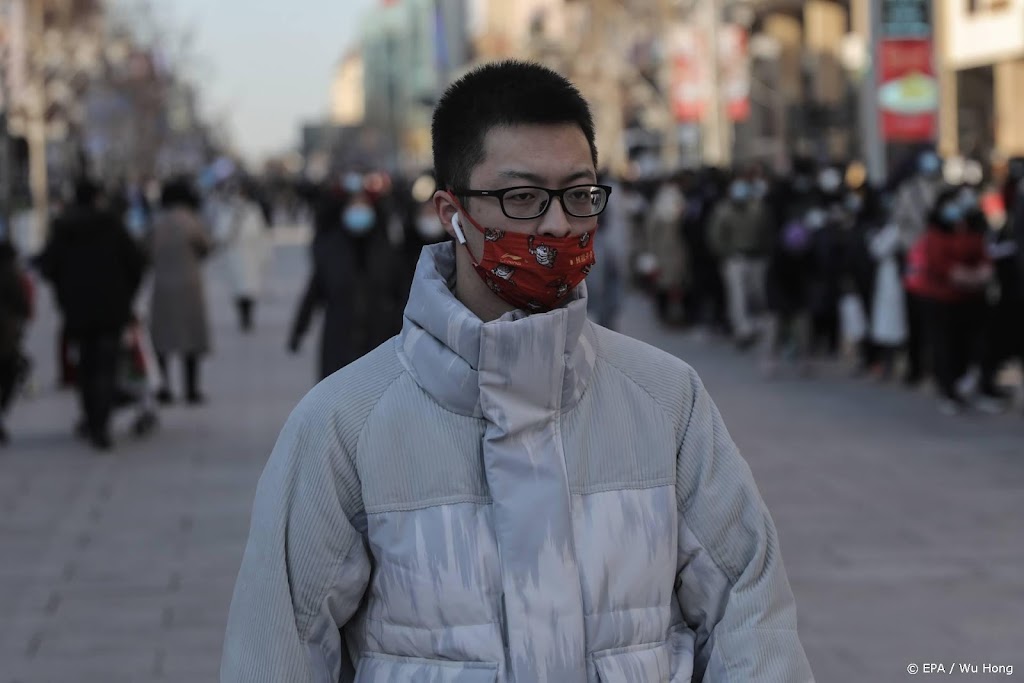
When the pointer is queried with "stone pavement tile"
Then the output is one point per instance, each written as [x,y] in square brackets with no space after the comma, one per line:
[200,612]
[122,667]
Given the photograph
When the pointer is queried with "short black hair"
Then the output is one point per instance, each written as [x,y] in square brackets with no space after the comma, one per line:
[506,93]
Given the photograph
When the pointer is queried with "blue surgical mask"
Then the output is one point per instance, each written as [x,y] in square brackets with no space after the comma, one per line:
[740,191]
[353,183]
[359,219]
[929,165]
[854,203]
[968,200]
[816,219]
[951,213]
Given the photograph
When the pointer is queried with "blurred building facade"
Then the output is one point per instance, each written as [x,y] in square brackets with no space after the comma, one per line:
[686,82]
[87,88]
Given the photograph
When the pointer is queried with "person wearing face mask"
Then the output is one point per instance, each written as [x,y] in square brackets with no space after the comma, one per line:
[739,235]
[1004,329]
[179,245]
[506,490]
[957,270]
[664,228]
[356,279]
[916,196]
[249,248]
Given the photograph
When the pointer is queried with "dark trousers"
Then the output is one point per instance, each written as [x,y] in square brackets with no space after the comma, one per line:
[917,350]
[1004,341]
[97,378]
[9,369]
[953,330]
[190,373]
[245,310]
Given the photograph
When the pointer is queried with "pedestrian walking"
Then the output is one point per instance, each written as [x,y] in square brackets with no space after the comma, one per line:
[506,491]
[178,245]
[249,245]
[788,291]
[740,236]
[15,311]
[957,272]
[355,280]
[606,283]
[664,227]
[916,198]
[95,268]
[889,302]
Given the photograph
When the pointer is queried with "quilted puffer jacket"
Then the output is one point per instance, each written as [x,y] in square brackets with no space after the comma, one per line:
[534,498]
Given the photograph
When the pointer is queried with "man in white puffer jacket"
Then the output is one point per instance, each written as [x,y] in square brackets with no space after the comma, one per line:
[506,491]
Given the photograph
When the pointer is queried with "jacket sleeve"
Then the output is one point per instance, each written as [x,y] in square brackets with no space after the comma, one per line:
[305,566]
[731,584]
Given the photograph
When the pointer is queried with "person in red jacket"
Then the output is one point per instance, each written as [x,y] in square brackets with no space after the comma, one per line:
[956,271]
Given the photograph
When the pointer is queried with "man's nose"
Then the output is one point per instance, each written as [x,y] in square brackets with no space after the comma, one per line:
[555,222]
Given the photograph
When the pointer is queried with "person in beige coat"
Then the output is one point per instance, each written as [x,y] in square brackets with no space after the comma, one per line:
[179,244]
[665,240]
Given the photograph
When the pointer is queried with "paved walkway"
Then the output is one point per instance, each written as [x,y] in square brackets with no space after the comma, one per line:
[903,532]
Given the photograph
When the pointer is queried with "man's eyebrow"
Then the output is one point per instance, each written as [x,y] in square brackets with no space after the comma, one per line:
[538,180]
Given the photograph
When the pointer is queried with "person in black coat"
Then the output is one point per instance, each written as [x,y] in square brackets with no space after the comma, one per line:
[15,310]
[95,268]
[356,279]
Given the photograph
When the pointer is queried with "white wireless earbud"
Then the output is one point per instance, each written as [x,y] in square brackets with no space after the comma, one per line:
[457,226]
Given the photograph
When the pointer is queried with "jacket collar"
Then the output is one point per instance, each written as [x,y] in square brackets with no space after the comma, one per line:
[444,345]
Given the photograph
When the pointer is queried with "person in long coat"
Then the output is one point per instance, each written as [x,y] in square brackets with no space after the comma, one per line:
[249,248]
[95,268]
[665,239]
[353,280]
[179,243]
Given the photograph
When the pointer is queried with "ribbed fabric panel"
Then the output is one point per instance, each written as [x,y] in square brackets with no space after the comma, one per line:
[305,565]
[417,454]
[639,452]
[340,406]
[666,378]
[756,638]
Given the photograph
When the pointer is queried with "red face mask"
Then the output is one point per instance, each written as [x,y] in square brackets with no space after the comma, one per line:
[534,273]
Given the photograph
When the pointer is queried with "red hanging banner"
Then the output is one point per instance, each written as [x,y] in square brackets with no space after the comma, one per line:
[908,90]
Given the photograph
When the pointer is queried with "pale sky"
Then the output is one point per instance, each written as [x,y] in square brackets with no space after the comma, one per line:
[267,64]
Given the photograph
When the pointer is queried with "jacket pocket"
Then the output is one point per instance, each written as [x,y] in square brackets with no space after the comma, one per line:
[667,662]
[381,668]
[635,664]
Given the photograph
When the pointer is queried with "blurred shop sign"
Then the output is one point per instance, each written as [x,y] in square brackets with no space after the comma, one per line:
[734,66]
[688,50]
[908,92]
[908,88]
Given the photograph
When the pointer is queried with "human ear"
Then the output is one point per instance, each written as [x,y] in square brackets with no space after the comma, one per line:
[447,211]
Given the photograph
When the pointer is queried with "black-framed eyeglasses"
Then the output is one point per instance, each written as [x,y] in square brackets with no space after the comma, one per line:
[526,202]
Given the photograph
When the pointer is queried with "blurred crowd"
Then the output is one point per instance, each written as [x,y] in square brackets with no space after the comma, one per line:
[918,280]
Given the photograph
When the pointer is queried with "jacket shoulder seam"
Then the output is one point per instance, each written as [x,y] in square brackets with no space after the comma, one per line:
[667,413]
[373,410]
